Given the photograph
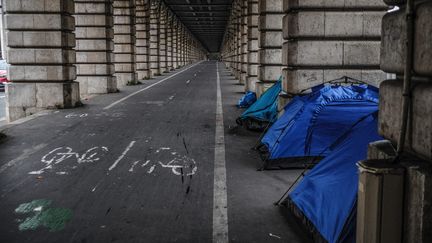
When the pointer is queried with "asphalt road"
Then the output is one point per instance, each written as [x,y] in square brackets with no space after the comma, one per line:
[139,169]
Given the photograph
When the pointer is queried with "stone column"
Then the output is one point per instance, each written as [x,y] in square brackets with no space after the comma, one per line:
[175,43]
[237,39]
[154,38]
[270,43]
[188,48]
[417,155]
[142,39]
[162,39]
[124,42]
[252,45]
[328,40]
[180,42]
[184,46]
[40,42]
[170,48]
[231,49]
[244,43]
[94,47]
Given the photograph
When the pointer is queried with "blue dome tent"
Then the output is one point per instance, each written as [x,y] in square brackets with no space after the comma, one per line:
[325,200]
[311,123]
[264,111]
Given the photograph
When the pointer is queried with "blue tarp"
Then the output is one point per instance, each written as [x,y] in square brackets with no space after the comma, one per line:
[312,122]
[265,108]
[327,195]
[247,100]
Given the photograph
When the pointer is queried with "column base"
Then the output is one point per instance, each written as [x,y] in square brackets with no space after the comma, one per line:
[25,99]
[261,87]
[143,75]
[97,84]
[123,79]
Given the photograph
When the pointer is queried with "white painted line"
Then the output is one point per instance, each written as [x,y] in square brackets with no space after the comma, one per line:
[220,202]
[1,97]
[146,88]
[131,144]
[2,119]
[26,153]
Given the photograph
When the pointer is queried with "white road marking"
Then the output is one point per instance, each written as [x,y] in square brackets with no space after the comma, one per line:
[148,87]
[131,144]
[2,119]
[220,202]
[133,166]
[23,156]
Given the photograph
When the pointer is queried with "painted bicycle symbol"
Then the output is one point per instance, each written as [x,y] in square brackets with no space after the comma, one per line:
[61,154]
[181,165]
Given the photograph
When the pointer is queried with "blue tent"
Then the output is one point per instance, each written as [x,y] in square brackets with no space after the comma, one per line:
[263,111]
[247,100]
[311,123]
[325,200]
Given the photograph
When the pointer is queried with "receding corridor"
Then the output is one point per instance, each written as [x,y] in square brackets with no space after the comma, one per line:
[138,166]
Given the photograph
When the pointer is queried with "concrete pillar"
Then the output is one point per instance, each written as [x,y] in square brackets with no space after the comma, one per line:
[142,45]
[162,40]
[325,41]
[244,43]
[124,42]
[184,46]
[179,45]
[252,45]
[237,6]
[270,43]
[417,156]
[40,42]
[169,20]
[94,47]
[154,39]
[175,46]
[2,34]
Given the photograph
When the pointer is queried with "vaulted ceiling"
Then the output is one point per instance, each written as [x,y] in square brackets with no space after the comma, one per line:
[206,19]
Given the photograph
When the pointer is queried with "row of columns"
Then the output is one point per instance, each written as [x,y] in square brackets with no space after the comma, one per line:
[305,43]
[61,50]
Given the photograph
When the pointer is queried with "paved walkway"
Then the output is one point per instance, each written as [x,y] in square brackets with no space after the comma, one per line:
[139,166]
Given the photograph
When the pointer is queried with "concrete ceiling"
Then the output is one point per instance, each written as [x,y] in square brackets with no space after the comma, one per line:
[206,19]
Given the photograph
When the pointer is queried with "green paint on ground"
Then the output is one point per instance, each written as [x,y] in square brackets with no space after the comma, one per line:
[54,219]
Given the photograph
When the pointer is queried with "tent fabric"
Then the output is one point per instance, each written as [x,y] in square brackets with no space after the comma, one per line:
[327,195]
[264,110]
[247,100]
[312,122]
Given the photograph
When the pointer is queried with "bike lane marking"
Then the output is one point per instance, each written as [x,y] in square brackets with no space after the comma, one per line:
[148,87]
[23,156]
[220,202]
[131,144]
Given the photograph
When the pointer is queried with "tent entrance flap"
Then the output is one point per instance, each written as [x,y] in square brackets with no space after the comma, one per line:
[264,111]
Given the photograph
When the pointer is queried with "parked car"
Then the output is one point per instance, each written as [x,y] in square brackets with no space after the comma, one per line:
[3,75]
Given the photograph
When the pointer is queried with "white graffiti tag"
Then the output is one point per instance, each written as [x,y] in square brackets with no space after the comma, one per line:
[181,166]
[61,154]
[73,115]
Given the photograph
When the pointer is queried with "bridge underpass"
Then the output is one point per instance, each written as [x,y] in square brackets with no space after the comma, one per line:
[118,127]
